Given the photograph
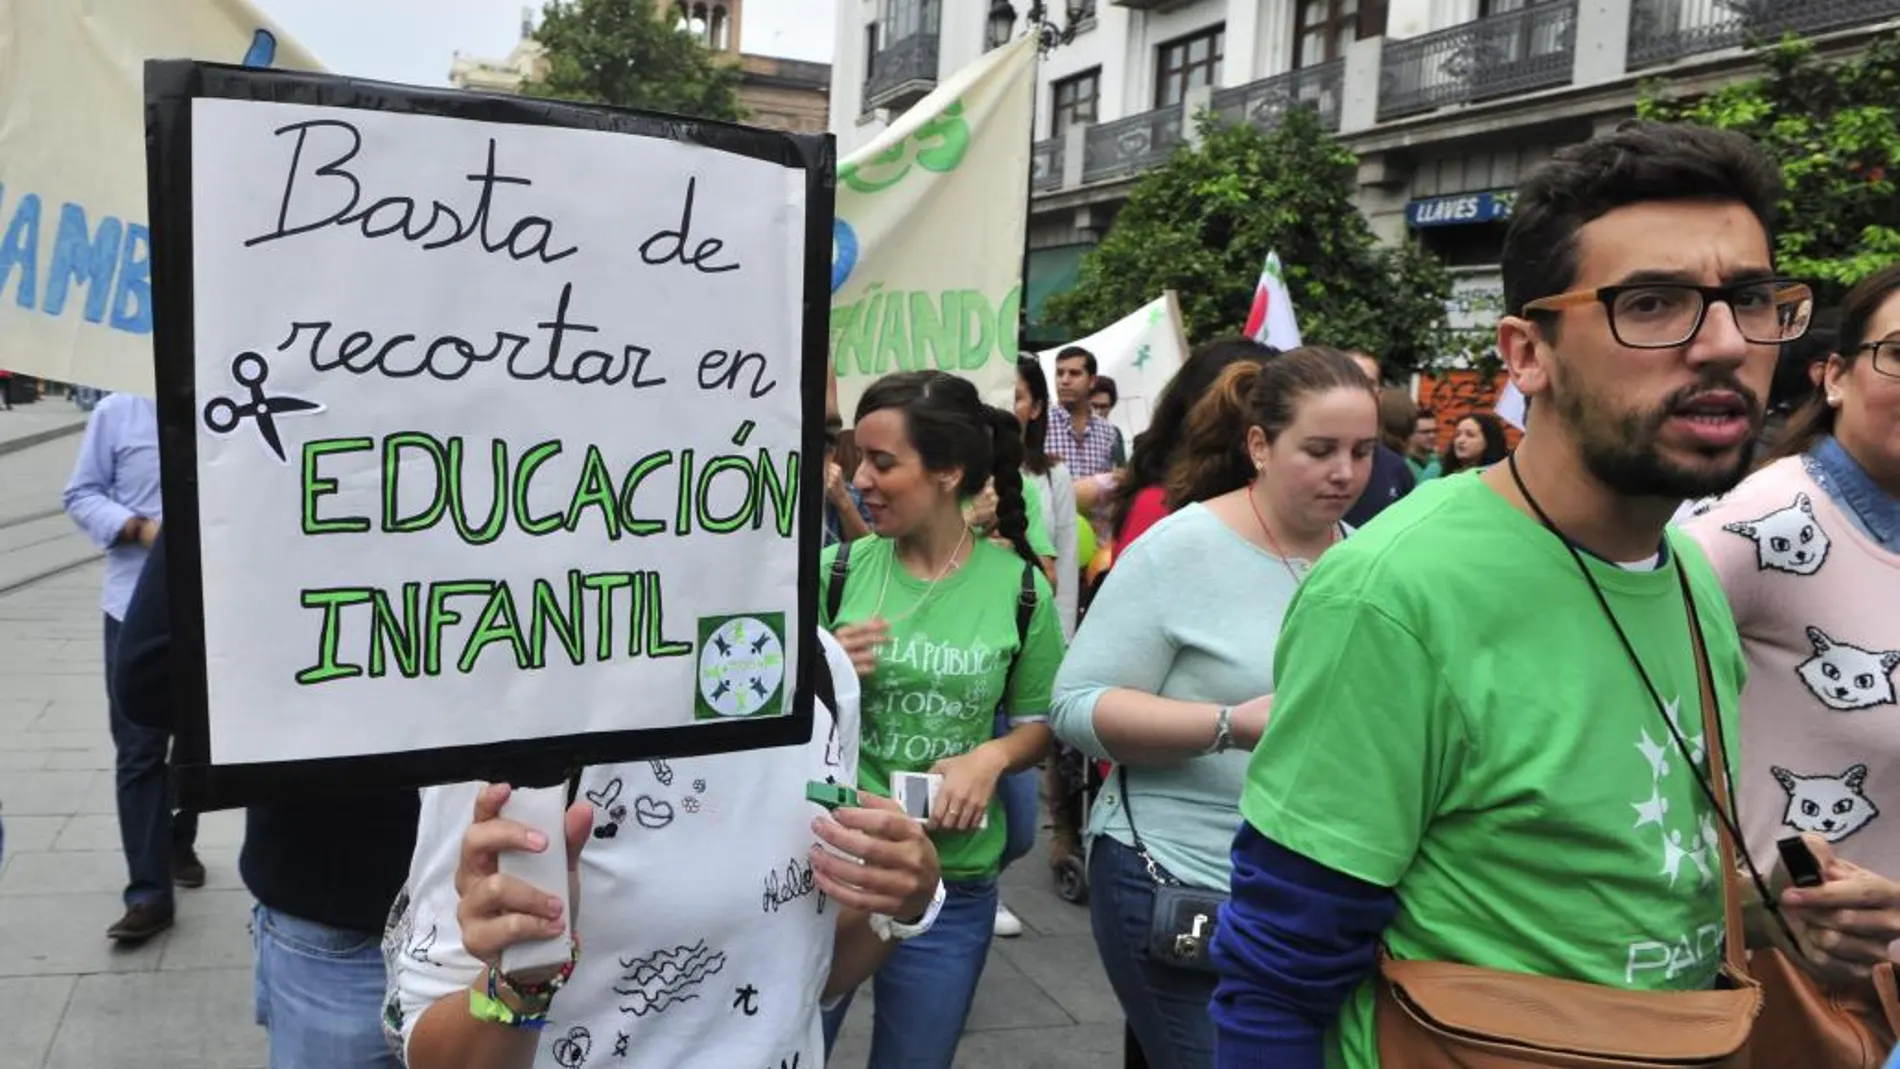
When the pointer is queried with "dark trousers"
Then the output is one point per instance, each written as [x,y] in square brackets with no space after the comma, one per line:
[148,830]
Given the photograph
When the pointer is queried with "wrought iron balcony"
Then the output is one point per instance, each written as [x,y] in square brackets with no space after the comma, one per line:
[1045,165]
[1513,52]
[904,73]
[1262,103]
[1666,30]
[1126,146]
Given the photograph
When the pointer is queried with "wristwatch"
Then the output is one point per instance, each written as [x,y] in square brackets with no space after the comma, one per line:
[1223,731]
[888,928]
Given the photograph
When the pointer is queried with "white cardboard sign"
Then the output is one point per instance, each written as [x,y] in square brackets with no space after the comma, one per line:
[491,417]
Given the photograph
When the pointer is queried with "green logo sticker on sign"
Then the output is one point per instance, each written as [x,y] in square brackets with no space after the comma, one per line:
[741,667]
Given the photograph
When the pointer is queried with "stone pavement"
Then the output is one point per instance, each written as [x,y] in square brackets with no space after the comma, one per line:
[68,1000]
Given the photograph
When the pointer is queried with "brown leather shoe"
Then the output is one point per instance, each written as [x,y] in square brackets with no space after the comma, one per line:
[187,870]
[141,922]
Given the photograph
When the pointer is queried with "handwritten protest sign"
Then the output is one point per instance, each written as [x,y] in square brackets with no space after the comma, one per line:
[483,423]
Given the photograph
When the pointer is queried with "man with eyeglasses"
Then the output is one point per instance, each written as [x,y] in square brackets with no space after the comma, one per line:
[1487,745]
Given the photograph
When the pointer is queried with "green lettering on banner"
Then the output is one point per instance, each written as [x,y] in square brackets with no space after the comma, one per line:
[498,622]
[954,330]
[927,331]
[393,445]
[605,584]
[976,329]
[315,486]
[893,340]
[441,616]
[403,639]
[630,486]
[498,504]
[570,628]
[332,602]
[595,488]
[939,145]
[531,460]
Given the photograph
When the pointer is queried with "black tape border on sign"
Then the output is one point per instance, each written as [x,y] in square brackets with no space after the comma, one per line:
[170,87]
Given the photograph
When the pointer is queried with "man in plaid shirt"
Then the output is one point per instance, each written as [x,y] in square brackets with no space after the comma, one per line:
[1087,445]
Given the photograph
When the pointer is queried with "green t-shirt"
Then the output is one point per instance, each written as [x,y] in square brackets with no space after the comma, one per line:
[1455,719]
[1038,534]
[937,685]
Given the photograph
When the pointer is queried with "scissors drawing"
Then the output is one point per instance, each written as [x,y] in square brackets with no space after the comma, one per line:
[222,414]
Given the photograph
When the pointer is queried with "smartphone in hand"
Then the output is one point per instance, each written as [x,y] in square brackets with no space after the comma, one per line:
[1804,870]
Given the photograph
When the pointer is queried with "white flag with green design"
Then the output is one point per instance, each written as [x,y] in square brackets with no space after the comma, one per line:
[1141,352]
[927,251]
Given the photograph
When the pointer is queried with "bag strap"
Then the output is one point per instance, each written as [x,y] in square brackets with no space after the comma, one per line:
[1735,947]
[834,593]
[823,685]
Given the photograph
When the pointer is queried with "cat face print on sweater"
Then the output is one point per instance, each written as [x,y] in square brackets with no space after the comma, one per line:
[1833,807]
[1786,540]
[1847,677]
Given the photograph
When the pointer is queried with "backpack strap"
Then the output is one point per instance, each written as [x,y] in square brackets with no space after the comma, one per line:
[834,594]
[1025,612]
[823,686]
[1025,607]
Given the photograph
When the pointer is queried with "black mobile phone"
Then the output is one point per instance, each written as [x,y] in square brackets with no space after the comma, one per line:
[1802,868]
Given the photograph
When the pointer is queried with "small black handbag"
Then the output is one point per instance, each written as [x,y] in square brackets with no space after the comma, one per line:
[1181,926]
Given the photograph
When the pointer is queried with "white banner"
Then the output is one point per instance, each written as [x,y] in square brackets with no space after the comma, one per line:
[75,253]
[927,255]
[471,450]
[1141,352]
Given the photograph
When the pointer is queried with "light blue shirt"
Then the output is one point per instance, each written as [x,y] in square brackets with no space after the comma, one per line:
[1871,509]
[115,479]
[1192,612]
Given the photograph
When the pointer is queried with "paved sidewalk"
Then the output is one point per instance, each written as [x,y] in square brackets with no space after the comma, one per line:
[68,1000]
[43,420]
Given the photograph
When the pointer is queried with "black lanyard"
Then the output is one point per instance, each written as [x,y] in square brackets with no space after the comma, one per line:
[1695,627]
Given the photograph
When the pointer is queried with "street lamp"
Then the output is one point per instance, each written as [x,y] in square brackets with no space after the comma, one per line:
[1002,24]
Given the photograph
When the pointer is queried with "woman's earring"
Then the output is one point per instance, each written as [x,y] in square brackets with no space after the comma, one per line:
[1834,400]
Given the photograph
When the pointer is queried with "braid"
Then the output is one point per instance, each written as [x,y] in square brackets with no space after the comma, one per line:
[1006,473]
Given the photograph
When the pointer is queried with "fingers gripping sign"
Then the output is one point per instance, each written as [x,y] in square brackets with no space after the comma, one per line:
[517,884]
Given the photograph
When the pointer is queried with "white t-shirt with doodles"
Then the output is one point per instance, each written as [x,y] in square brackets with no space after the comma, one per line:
[705,942]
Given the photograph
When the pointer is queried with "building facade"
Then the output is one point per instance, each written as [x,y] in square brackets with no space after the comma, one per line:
[1446,102]
[776,93]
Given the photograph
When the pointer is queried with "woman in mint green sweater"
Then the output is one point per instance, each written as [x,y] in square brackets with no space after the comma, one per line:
[1171,675]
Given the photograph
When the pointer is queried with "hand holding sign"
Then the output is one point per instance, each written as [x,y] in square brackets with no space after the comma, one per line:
[498,911]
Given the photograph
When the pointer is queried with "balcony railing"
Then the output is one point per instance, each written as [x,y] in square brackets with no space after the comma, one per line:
[1045,164]
[1666,30]
[1514,52]
[903,73]
[1262,103]
[1125,146]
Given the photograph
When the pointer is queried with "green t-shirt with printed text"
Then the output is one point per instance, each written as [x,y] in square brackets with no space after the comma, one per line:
[938,681]
[1455,718]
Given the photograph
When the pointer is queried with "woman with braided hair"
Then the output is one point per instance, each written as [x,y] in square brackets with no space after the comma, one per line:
[944,627]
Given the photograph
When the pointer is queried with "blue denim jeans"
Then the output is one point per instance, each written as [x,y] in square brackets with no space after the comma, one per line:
[923,992]
[319,993]
[1166,1007]
[149,832]
[1019,794]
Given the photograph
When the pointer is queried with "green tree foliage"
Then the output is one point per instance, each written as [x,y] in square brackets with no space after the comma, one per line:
[1202,224]
[623,52]
[1835,129]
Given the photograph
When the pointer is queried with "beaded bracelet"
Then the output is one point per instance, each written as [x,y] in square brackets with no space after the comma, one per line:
[535,999]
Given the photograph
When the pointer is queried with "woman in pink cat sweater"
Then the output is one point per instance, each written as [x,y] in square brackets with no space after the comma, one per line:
[1808,549]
